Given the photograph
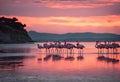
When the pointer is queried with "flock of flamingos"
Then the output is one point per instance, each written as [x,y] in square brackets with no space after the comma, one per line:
[57,46]
[65,47]
[60,47]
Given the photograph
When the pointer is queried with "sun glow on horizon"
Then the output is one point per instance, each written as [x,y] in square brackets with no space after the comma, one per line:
[71,24]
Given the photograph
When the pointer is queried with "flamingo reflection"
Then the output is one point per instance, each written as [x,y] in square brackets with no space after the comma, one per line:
[47,57]
[80,57]
[108,59]
[56,57]
[69,57]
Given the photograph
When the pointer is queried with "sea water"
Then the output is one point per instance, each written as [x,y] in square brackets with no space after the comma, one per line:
[26,63]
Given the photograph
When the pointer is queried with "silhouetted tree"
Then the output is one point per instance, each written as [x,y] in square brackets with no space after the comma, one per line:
[12,22]
[13,29]
[14,19]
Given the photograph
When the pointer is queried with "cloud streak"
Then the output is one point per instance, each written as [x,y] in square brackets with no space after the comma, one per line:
[67,4]
[62,16]
[106,21]
[60,7]
[72,24]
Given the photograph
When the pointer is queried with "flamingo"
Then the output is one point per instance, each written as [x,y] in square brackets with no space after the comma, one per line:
[70,47]
[115,46]
[64,46]
[47,47]
[57,46]
[52,46]
[99,46]
[40,46]
[80,47]
[60,46]
[108,46]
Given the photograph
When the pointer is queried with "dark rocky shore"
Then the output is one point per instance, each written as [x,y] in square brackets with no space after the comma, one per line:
[13,31]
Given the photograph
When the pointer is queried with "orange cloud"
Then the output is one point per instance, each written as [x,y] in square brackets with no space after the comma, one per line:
[106,21]
[72,24]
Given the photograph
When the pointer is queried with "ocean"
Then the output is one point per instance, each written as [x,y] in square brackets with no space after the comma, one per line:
[27,63]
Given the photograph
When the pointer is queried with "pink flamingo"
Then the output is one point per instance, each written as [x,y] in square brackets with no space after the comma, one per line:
[64,46]
[70,47]
[80,47]
[47,47]
[60,46]
[40,46]
[115,47]
[108,46]
[99,46]
[52,46]
[57,46]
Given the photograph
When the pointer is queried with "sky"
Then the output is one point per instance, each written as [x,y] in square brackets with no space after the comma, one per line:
[65,16]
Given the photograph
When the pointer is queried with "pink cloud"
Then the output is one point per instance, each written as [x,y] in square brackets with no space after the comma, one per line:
[65,24]
[75,3]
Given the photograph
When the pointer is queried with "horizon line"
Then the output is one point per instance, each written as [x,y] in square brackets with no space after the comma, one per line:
[72,32]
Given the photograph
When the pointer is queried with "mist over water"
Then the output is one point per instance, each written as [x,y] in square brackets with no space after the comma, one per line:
[27,63]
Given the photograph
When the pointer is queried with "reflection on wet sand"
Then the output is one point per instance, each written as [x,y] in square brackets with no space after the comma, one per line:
[15,50]
[57,57]
[47,57]
[12,62]
[70,58]
[80,57]
[109,58]
[54,57]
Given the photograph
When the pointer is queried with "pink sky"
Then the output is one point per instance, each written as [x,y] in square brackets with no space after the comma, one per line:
[56,16]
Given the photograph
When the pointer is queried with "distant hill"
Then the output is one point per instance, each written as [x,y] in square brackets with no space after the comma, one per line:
[12,31]
[87,37]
